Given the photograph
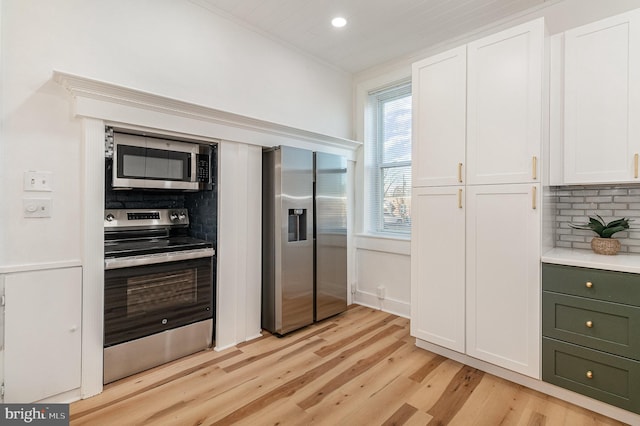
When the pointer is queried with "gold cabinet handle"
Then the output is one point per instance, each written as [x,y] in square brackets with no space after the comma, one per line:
[635,166]
[588,284]
[534,198]
[589,374]
[589,324]
[534,162]
[460,172]
[459,198]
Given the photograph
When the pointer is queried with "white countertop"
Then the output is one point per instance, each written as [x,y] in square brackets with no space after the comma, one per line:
[623,262]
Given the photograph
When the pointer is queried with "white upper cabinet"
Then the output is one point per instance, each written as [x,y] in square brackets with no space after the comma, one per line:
[437,266]
[504,105]
[602,101]
[439,121]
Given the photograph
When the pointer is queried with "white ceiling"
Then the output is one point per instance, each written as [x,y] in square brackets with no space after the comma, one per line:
[378,30]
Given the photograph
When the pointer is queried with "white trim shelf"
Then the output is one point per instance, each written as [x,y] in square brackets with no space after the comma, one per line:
[86,92]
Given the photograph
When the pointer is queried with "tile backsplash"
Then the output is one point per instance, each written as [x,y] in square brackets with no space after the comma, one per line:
[573,204]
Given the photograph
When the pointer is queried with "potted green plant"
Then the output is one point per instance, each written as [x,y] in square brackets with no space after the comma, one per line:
[604,243]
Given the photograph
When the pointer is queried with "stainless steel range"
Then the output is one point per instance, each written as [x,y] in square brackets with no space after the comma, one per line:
[159,298]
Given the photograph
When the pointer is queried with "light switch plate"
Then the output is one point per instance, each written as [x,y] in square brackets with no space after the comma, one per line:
[36,207]
[38,181]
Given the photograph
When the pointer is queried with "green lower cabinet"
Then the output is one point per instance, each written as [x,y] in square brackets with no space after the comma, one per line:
[608,378]
[591,333]
[605,326]
[610,286]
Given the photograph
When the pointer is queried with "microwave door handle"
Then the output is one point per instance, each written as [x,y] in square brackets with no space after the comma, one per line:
[191,165]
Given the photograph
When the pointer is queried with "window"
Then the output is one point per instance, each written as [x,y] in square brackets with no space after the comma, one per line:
[389,159]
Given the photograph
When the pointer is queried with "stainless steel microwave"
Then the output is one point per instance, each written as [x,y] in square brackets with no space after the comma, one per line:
[156,163]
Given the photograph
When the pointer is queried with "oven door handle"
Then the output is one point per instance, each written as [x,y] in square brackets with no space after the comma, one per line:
[152,259]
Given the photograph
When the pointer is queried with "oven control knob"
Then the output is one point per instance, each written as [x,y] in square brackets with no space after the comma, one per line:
[173,216]
[182,216]
[110,217]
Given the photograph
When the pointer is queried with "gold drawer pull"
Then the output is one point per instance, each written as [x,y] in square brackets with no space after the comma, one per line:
[588,284]
[589,324]
[459,198]
[589,374]
[534,197]
[534,164]
[460,172]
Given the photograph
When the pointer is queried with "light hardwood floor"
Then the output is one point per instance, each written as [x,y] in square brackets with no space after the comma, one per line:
[358,368]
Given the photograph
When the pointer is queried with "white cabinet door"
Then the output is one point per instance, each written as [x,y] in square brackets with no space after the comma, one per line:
[503,276]
[504,105]
[602,101]
[439,118]
[437,266]
[42,336]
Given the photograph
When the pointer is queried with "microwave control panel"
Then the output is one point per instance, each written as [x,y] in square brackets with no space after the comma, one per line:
[204,168]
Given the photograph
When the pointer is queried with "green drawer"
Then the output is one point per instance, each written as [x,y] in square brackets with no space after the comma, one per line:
[614,380]
[612,286]
[606,326]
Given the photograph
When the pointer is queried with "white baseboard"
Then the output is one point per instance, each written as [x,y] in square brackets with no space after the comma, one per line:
[392,306]
[62,398]
[222,348]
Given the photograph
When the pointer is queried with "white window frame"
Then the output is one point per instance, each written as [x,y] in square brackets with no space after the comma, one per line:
[376,167]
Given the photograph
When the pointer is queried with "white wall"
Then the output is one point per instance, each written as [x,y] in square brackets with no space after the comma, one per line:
[374,265]
[172,48]
[383,264]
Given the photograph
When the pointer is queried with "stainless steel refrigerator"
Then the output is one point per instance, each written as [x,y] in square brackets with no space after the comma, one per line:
[304,238]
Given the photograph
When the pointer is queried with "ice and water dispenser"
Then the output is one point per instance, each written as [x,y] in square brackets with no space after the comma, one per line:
[297,225]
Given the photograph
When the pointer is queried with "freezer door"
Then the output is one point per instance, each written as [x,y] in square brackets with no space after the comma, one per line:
[296,238]
[294,251]
[331,235]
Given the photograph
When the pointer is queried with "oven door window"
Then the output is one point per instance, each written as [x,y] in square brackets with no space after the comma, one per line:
[145,300]
[158,292]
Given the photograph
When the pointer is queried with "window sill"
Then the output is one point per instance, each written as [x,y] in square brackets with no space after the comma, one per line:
[396,244]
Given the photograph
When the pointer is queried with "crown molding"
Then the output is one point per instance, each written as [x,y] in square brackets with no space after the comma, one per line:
[86,89]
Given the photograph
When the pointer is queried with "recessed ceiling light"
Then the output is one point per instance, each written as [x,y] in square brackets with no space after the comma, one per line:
[338,22]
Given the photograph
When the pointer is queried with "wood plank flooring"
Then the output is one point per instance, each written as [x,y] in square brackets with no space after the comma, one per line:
[358,368]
